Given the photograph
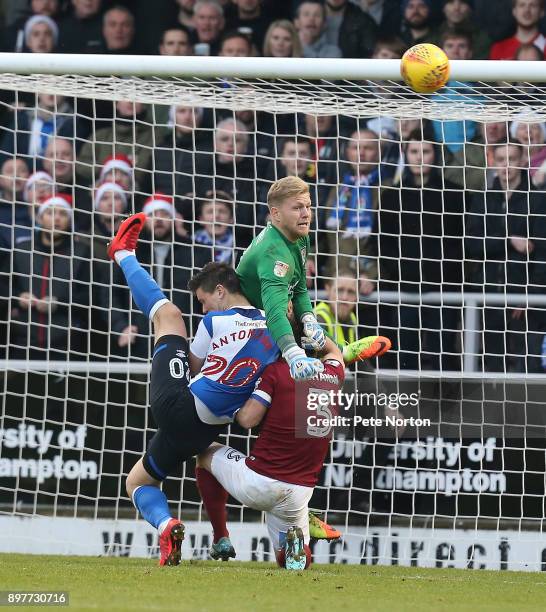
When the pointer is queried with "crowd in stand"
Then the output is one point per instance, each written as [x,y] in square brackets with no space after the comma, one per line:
[410,206]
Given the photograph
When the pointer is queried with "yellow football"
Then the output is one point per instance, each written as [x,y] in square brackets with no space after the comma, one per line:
[425,68]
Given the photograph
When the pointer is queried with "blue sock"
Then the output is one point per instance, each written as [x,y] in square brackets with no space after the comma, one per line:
[145,290]
[151,502]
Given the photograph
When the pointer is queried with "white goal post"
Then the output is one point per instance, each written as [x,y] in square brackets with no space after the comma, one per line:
[445,257]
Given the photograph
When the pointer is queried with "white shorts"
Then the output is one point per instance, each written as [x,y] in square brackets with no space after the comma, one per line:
[284,504]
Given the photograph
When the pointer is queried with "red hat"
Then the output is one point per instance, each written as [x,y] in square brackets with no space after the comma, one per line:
[61,200]
[109,187]
[159,201]
[117,162]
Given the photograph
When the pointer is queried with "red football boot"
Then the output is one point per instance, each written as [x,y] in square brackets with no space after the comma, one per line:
[126,238]
[170,543]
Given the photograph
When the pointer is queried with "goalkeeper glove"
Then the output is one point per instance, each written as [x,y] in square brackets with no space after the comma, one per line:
[313,333]
[301,366]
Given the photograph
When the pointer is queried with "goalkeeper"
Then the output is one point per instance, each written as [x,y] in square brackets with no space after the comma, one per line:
[272,272]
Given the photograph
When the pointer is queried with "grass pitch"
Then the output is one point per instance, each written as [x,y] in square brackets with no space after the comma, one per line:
[203,586]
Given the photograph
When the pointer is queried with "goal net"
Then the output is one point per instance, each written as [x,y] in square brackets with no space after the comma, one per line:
[429,229]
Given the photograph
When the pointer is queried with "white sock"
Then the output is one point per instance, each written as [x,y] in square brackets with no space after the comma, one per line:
[163,524]
[119,256]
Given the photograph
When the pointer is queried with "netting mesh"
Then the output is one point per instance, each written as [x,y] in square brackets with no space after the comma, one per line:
[429,225]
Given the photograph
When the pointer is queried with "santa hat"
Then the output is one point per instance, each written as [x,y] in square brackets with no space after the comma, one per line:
[117,162]
[35,178]
[108,188]
[159,201]
[61,200]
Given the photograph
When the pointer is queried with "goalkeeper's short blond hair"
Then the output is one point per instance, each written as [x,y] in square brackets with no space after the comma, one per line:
[287,187]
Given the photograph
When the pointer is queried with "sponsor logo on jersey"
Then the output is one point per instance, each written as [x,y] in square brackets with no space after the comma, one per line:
[257,324]
[291,288]
[234,455]
[281,269]
[329,378]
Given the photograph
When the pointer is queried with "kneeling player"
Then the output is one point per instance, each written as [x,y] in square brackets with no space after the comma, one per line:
[281,473]
[234,341]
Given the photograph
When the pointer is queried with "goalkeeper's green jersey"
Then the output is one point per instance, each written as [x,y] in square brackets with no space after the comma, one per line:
[271,272]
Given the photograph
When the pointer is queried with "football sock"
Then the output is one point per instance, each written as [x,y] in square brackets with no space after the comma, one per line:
[146,292]
[152,504]
[214,498]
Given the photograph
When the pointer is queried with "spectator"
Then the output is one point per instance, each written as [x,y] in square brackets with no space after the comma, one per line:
[176,152]
[14,37]
[527,14]
[59,163]
[38,187]
[29,130]
[385,13]
[216,220]
[251,15]
[282,40]
[310,21]
[109,206]
[50,288]
[498,243]
[337,314]
[416,22]
[470,167]
[323,132]
[118,30]
[81,29]
[185,13]
[295,158]
[389,48]
[352,207]
[59,160]
[525,94]
[532,136]
[15,218]
[261,127]
[457,45]
[176,41]
[41,34]
[118,169]
[230,169]
[235,44]
[208,17]
[420,250]
[133,133]
[110,203]
[459,16]
[350,29]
